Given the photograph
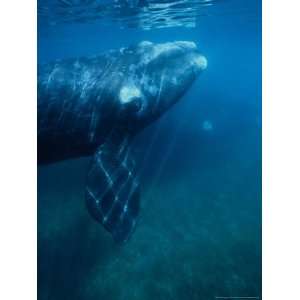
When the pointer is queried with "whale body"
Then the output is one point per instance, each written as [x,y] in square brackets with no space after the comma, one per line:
[94,106]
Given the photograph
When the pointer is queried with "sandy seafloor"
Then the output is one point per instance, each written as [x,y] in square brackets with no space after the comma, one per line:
[198,236]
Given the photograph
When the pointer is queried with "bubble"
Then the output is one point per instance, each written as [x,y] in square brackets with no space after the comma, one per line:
[207,125]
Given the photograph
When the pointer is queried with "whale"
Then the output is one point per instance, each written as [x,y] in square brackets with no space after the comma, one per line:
[95,106]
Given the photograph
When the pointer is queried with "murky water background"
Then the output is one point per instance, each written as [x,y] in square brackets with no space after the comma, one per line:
[200,228]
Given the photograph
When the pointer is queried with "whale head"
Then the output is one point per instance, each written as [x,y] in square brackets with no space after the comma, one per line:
[157,76]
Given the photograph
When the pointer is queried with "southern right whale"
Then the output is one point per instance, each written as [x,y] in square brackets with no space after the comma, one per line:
[96,105]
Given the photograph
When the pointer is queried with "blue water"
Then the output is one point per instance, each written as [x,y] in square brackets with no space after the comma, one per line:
[199,235]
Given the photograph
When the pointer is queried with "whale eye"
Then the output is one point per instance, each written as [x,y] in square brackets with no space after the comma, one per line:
[135,105]
[131,98]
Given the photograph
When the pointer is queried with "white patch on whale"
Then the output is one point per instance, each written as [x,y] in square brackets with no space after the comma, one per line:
[128,93]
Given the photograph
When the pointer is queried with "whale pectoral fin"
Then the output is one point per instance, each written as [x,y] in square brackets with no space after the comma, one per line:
[112,191]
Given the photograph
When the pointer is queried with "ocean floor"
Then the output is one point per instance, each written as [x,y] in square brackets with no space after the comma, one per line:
[198,236]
